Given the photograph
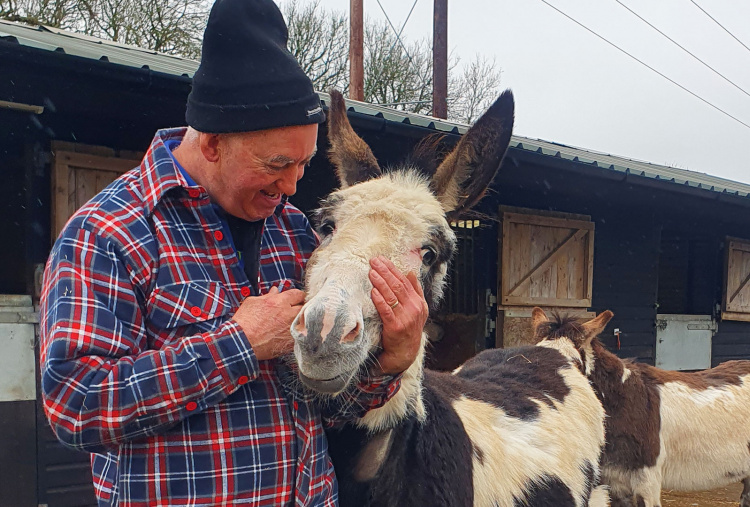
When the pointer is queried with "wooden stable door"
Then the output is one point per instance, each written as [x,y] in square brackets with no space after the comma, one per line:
[736,297]
[79,172]
[546,260]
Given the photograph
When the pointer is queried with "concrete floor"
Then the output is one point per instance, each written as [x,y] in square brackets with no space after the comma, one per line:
[721,497]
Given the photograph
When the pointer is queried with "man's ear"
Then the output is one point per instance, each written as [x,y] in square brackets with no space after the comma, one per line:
[209,144]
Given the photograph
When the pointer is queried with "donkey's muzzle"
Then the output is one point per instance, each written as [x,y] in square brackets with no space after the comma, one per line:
[328,342]
[321,326]
[328,386]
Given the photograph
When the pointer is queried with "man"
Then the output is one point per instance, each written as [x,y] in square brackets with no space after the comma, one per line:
[168,298]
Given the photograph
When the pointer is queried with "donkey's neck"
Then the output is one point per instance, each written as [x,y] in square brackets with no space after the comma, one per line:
[407,401]
[610,373]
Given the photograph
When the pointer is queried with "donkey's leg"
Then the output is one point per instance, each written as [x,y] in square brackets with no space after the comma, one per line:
[621,501]
[620,496]
[620,490]
[649,498]
[647,489]
[745,498]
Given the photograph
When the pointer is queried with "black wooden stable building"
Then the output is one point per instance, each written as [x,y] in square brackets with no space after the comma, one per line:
[667,250]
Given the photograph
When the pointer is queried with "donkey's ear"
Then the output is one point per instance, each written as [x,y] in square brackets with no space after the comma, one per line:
[595,326]
[463,177]
[350,155]
[538,317]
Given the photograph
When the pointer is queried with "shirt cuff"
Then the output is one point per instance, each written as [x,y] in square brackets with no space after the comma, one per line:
[233,354]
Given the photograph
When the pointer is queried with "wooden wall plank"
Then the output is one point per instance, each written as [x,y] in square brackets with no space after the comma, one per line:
[85,188]
[562,276]
[548,221]
[545,256]
[98,162]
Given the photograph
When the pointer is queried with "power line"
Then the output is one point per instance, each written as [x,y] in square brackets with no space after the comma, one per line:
[646,65]
[722,26]
[684,49]
[404,23]
[398,37]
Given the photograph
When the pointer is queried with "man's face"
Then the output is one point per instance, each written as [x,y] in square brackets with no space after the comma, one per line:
[255,169]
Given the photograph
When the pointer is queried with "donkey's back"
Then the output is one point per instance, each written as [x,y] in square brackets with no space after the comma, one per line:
[705,426]
[535,425]
[513,427]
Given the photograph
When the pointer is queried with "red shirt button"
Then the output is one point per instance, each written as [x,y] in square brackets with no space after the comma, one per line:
[196,311]
[191,406]
[243,380]
[218,235]
[194,193]
[296,406]
[245,291]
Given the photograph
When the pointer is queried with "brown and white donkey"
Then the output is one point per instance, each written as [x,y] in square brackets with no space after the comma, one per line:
[665,429]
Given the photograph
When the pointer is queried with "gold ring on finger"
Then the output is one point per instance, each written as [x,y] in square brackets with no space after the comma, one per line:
[393,305]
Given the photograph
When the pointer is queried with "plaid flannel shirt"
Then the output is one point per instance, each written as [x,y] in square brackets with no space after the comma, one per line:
[142,366]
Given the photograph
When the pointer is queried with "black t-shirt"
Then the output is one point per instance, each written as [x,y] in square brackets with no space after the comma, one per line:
[246,236]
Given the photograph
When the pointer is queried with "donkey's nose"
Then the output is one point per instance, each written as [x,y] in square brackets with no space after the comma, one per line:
[339,325]
[299,324]
[352,334]
[324,325]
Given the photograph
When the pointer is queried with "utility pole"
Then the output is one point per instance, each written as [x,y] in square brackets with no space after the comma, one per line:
[440,59]
[356,51]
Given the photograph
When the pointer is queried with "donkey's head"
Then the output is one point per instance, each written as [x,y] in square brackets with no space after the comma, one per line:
[401,215]
[570,335]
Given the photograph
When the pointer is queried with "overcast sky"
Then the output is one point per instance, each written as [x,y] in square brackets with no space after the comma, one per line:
[573,88]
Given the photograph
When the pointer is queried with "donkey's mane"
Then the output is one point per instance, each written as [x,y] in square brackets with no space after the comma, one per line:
[561,326]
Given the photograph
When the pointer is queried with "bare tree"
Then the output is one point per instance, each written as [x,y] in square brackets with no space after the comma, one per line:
[319,39]
[57,13]
[396,74]
[169,26]
[474,90]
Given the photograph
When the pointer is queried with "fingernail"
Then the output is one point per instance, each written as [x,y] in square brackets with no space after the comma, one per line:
[375,261]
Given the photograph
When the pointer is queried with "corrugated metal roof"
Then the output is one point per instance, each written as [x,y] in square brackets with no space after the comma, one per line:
[52,39]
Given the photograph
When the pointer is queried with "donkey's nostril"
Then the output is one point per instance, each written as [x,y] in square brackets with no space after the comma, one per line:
[299,326]
[351,335]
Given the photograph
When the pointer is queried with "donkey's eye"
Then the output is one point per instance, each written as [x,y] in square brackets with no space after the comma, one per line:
[327,228]
[428,255]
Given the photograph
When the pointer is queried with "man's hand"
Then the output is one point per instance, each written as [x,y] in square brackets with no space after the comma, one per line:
[266,321]
[400,302]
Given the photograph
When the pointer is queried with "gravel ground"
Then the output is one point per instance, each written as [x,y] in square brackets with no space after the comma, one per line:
[722,497]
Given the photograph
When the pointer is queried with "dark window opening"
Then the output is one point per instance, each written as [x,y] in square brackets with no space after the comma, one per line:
[461,294]
[687,275]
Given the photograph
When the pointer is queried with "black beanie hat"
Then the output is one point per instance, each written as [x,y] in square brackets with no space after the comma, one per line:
[248,80]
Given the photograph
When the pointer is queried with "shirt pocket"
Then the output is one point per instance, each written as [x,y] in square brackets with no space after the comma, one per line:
[283,284]
[190,307]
